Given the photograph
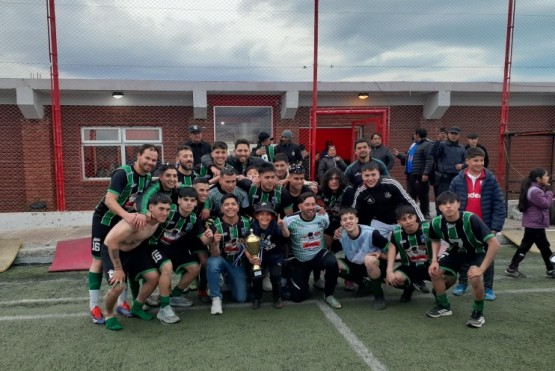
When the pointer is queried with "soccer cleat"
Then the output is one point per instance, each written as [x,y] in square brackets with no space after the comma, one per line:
[320,284]
[439,311]
[489,294]
[379,303]
[167,316]
[278,303]
[125,310]
[514,273]
[349,285]
[256,303]
[97,316]
[180,301]
[550,274]
[421,286]
[460,289]
[476,319]
[407,294]
[333,302]
[216,305]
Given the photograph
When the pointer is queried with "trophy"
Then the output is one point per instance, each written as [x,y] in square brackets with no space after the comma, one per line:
[253,247]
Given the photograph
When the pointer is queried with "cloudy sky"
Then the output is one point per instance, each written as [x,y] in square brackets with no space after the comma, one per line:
[272,40]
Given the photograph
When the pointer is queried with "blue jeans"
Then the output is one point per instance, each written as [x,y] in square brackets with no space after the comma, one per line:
[236,278]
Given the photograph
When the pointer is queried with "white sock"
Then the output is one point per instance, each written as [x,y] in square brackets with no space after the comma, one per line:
[123,296]
[93,298]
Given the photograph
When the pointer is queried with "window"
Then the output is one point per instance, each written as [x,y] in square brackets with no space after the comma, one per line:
[232,123]
[105,149]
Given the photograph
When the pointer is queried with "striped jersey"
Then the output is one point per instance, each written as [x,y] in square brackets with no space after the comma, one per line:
[415,248]
[468,235]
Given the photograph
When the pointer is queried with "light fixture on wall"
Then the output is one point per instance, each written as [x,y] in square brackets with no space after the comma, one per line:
[117,94]
[362,95]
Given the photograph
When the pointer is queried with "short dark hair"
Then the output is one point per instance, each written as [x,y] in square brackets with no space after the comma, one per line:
[472,136]
[147,146]
[376,135]
[347,210]
[304,196]
[361,140]
[228,170]
[265,167]
[160,198]
[422,133]
[404,210]
[281,157]
[219,145]
[474,152]
[447,197]
[166,166]
[184,147]
[229,195]
[201,180]
[188,192]
[242,141]
[371,165]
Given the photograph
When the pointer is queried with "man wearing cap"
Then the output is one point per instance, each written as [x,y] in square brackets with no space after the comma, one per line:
[264,148]
[196,143]
[472,139]
[291,149]
[449,158]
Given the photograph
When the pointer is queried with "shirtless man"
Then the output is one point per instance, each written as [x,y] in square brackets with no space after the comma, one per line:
[125,251]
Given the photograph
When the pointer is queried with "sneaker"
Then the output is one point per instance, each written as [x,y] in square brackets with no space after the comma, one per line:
[167,316]
[125,310]
[97,316]
[320,284]
[216,305]
[256,303]
[153,301]
[514,273]
[379,303]
[204,297]
[460,289]
[476,319]
[349,286]
[266,284]
[333,302]
[407,294]
[180,301]
[550,274]
[439,311]
[422,287]
[278,303]
[489,294]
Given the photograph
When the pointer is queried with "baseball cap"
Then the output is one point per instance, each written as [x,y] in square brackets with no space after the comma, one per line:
[263,136]
[194,129]
[455,129]
[296,169]
[472,135]
[264,206]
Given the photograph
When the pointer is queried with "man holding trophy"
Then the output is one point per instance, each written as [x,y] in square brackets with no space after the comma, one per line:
[265,250]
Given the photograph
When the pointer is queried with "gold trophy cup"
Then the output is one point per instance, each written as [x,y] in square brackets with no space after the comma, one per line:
[253,247]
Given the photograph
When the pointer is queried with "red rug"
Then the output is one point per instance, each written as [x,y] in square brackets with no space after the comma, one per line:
[72,255]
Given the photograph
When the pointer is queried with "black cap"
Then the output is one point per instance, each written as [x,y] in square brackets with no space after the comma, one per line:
[263,136]
[296,169]
[455,129]
[472,135]
[264,206]
[194,129]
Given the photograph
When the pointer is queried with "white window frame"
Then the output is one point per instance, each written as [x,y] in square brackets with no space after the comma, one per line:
[120,142]
[231,145]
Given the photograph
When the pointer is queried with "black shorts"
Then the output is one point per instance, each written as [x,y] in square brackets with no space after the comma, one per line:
[414,273]
[178,255]
[135,263]
[451,262]
[98,234]
[356,272]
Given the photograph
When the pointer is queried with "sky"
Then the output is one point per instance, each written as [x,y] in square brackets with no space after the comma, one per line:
[273,40]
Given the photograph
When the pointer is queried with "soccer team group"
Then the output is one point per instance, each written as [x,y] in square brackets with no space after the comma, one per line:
[198,217]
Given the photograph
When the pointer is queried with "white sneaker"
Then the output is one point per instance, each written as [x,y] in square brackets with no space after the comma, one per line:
[167,316]
[266,284]
[180,301]
[216,305]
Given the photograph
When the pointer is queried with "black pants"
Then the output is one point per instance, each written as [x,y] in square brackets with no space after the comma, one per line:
[300,274]
[275,278]
[419,190]
[531,236]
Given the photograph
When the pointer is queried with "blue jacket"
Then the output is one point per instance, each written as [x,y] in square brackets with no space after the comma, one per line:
[492,199]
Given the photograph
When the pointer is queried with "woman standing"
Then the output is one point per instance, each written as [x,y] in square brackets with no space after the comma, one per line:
[535,202]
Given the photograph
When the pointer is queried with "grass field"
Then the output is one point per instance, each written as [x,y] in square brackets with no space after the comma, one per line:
[44,324]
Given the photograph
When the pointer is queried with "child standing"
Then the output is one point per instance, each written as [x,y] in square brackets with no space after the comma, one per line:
[535,201]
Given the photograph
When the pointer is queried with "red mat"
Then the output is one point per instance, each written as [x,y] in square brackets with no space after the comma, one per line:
[72,255]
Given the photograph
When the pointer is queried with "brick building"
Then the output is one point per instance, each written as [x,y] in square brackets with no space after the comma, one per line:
[99,132]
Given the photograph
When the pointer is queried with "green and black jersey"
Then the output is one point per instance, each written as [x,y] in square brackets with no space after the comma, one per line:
[178,228]
[468,235]
[126,184]
[186,180]
[416,248]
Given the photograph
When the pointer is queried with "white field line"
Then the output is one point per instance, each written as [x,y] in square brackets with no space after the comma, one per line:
[357,345]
